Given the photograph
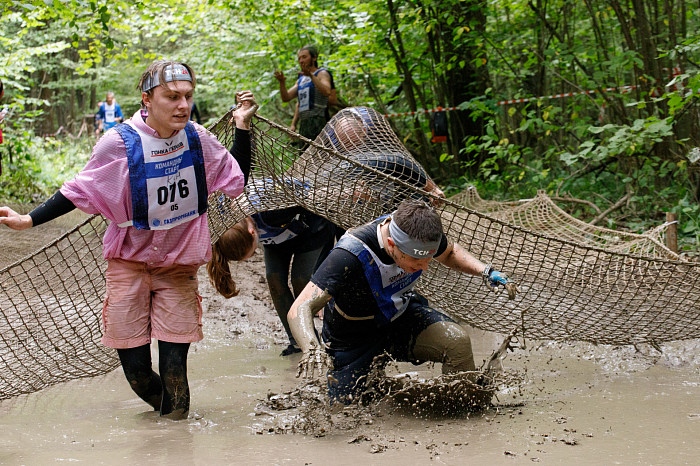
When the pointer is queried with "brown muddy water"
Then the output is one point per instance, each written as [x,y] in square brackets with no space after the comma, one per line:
[578,404]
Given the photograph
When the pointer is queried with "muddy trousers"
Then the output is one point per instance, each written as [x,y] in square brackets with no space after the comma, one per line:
[420,334]
[168,392]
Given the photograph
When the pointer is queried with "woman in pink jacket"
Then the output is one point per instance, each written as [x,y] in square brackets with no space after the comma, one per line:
[150,176]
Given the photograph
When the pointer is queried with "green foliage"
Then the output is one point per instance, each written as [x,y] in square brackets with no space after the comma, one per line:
[38,167]
[620,140]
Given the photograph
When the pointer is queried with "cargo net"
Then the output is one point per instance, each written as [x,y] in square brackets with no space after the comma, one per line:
[577,282]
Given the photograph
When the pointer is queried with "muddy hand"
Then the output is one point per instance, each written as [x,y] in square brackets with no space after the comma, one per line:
[313,362]
[279,76]
[512,289]
[432,188]
[437,202]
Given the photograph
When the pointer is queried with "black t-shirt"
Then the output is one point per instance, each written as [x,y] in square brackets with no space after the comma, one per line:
[393,164]
[343,277]
[386,193]
[317,233]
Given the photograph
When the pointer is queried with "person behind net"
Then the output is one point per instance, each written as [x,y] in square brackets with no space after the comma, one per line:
[313,88]
[150,177]
[96,120]
[366,287]
[290,237]
[358,132]
[333,100]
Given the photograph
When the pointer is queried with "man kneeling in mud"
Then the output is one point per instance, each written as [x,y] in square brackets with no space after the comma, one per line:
[366,285]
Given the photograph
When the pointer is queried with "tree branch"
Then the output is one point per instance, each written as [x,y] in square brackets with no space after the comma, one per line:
[580,201]
[615,206]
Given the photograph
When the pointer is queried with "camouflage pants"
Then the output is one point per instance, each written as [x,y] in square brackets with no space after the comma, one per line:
[312,126]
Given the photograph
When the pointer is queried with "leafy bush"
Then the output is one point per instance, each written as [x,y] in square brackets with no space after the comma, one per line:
[39,166]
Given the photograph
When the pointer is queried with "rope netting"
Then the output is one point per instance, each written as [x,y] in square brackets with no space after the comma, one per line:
[577,281]
[51,303]
[541,214]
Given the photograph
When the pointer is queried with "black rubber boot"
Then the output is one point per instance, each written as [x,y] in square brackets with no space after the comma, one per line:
[291,349]
[173,373]
[136,363]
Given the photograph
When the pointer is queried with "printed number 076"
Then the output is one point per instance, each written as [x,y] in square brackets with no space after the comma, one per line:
[180,187]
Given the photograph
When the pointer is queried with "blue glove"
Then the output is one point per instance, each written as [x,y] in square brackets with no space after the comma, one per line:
[496,278]
[493,279]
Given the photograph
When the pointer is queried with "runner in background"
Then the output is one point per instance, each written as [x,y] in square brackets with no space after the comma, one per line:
[312,88]
[110,114]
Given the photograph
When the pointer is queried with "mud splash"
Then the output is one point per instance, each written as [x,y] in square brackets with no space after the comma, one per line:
[307,408]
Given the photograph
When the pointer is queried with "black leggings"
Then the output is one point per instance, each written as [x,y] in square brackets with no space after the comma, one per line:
[277,271]
[168,393]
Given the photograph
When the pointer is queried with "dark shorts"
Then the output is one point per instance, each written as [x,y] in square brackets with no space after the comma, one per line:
[312,126]
[347,379]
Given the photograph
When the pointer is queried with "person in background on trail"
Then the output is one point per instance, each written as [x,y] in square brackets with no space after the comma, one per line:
[332,101]
[366,286]
[313,87]
[110,114]
[151,177]
[194,114]
[290,237]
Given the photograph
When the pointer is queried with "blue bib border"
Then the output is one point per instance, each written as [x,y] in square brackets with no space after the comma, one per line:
[387,309]
[197,155]
[137,175]
[137,172]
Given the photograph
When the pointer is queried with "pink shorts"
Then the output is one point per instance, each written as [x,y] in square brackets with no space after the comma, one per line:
[145,302]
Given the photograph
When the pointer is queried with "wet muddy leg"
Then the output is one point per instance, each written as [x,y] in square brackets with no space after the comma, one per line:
[136,363]
[173,374]
[446,342]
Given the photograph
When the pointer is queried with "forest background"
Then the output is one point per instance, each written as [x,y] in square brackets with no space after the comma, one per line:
[626,140]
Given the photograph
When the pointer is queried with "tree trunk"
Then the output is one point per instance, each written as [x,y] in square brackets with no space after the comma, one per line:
[408,85]
[466,83]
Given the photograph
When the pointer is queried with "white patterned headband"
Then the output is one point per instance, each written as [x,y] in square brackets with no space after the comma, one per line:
[412,247]
[171,73]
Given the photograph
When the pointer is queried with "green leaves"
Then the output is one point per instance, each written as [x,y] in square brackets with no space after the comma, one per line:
[620,140]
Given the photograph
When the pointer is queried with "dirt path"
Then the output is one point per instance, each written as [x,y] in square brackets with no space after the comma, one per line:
[579,404]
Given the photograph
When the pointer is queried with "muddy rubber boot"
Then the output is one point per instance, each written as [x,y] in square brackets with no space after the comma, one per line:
[154,395]
[292,348]
[148,389]
[176,397]
[173,374]
[136,363]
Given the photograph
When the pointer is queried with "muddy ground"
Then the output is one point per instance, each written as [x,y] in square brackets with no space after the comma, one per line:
[577,404]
